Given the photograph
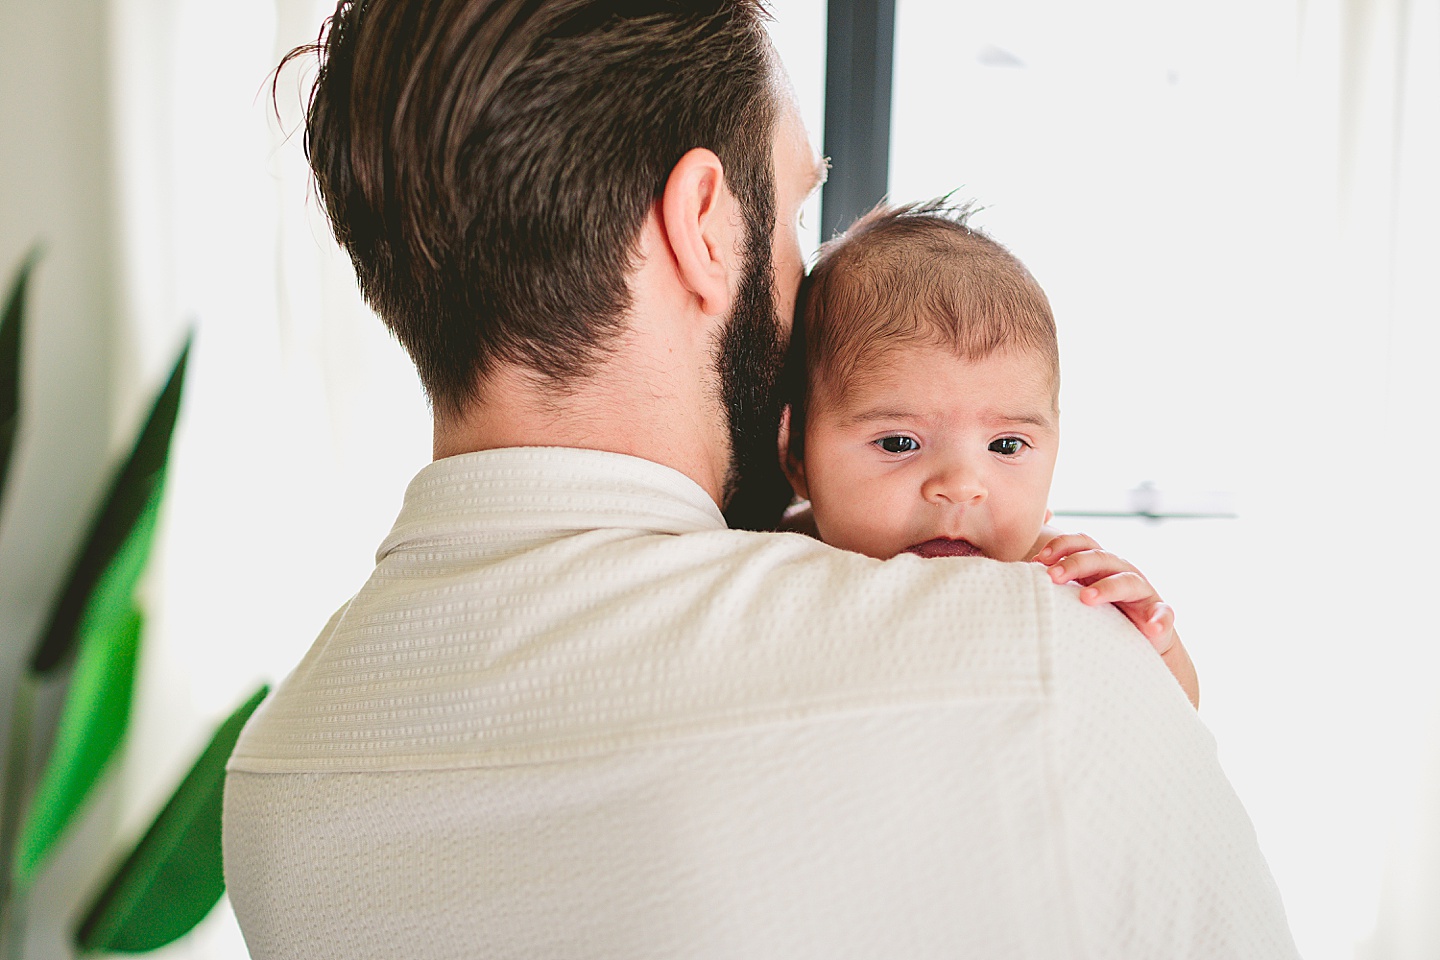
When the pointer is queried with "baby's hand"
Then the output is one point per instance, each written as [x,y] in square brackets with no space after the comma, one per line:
[1107,578]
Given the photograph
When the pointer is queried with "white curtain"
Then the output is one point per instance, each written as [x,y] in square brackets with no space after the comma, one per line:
[303,419]
[1385,55]
[1358,857]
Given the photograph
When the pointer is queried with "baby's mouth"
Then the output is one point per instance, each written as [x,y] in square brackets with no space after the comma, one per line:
[943,547]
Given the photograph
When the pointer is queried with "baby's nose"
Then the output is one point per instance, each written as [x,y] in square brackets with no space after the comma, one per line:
[956,483]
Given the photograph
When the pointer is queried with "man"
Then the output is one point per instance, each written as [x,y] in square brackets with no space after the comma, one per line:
[571,714]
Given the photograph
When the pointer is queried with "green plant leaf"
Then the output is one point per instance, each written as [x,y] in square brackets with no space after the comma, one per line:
[174,876]
[96,712]
[99,621]
[132,489]
[11,322]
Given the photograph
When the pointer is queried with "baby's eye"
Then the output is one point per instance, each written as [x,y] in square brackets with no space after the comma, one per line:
[898,444]
[1008,446]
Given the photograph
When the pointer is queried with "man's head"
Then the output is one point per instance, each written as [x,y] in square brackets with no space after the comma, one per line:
[488,165]
[928,421]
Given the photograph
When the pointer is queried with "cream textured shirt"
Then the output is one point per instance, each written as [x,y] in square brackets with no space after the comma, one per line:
[572,716]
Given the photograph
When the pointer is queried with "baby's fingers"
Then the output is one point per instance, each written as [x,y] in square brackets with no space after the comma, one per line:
[1064,545]
[1151,615]
[1088,566]
[1126,586]
[1154,618]
[1159,627]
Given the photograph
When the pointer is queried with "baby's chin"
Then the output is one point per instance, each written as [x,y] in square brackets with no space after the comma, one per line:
[944,547]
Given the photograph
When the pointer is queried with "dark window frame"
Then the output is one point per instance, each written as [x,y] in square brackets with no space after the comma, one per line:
[859,70]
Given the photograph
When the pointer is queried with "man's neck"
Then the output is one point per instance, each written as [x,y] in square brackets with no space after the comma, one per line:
[618,408]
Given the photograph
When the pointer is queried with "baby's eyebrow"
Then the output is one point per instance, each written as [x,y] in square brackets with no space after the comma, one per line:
[1034,419]
[862,417]
[871,416]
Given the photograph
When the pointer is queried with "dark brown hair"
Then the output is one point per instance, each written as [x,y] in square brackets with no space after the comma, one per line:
[488,164]
[917,273]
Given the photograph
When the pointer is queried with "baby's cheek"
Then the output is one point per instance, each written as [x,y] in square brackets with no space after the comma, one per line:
[849,525]
[1021,541]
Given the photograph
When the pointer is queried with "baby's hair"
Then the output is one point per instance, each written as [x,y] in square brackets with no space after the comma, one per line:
[914,274]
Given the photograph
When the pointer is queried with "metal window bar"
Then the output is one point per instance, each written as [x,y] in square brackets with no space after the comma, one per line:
[859,65]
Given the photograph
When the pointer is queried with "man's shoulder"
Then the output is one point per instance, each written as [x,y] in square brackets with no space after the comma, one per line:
[989,627]
[970,627]
[795,578]
[605,641]
[789,583]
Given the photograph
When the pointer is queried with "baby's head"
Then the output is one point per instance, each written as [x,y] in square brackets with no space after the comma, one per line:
[928,420]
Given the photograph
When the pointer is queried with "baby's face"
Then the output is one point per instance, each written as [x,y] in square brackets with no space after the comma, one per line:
[931,454]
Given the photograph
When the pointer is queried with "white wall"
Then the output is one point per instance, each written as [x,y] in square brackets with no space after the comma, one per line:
[55,163]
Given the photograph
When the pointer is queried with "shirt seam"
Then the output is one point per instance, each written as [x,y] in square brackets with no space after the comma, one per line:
[659,736]
[1077,946]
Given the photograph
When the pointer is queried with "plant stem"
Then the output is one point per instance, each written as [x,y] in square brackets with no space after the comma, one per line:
[15,927]
[17,776]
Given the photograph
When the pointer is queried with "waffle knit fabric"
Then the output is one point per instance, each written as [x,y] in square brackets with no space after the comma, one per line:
[571,715]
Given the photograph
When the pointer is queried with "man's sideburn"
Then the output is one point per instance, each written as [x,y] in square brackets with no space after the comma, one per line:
[752,352]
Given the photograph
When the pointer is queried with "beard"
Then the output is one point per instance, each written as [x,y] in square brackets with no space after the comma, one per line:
[749,362]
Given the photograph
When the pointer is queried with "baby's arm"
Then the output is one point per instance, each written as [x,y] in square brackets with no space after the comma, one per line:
[1107,578]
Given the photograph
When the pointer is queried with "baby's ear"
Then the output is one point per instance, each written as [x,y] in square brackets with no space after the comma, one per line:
[793,466]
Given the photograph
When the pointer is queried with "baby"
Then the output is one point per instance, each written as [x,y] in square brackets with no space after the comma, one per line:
[928,422]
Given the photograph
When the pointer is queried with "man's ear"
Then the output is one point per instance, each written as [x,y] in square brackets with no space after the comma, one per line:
[698,215]
[793,466]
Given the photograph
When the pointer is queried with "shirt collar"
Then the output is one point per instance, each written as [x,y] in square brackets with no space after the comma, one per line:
[547,491]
